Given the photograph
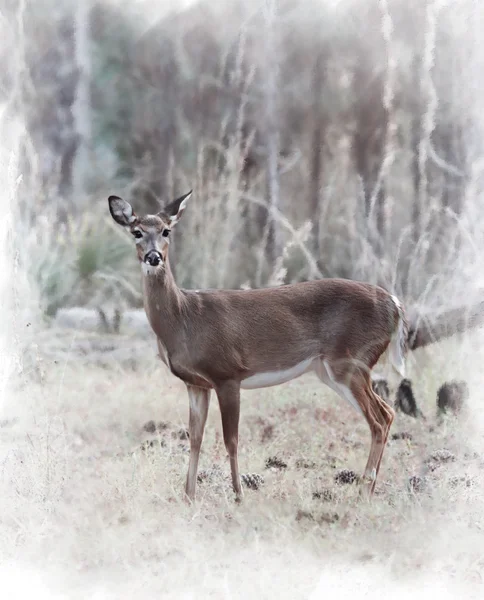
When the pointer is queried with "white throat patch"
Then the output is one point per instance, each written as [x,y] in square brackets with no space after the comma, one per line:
[149,269]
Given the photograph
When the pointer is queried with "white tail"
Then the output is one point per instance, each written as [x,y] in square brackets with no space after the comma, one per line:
[399,340]
[225,340]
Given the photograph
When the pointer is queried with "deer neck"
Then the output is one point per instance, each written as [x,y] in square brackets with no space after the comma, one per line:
[163,302]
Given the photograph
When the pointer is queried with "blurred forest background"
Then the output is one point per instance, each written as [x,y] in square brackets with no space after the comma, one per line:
[324,138]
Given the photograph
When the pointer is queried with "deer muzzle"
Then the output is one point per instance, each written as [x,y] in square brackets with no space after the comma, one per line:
[153,258]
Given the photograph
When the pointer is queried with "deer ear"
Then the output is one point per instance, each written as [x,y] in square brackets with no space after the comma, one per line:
[121,211]
[173,211]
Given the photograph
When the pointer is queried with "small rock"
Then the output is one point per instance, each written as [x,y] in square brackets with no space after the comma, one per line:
[432,466]
[442,456]
[150,444]
[324,495]
[275,463]
[304,514]
[181,434]
[252,480]
[302,463]
[328,518]
[346,477]
[203,476]
[439,458]
[472,456]
[462,480]
[405,400]
[416,483]
[452,396]
[402,435]
[150,427]
[210,474]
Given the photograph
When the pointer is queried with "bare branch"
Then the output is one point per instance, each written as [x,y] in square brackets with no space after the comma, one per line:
[423,331]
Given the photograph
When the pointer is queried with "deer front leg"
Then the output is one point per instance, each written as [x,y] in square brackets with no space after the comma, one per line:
[199,402]
[229,399]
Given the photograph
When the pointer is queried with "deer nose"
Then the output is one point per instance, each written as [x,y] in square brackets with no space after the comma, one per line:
[153,258]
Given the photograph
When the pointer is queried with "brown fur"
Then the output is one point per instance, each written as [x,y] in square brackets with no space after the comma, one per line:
[214,339]
[239,333]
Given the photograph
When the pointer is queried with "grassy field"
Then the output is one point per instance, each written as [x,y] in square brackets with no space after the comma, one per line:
[92,502]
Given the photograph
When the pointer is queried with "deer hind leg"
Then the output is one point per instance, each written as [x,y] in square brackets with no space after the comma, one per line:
[354,385]
[379,417]
[389,416]
[229,400]
[199,403]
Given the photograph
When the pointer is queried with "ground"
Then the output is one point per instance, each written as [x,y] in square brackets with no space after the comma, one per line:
[92,491]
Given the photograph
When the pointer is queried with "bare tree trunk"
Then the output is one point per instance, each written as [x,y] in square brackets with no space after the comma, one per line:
[416,207]
[369,145]
[428,104]
[446,141]
[416,115]
[317,151]
[64,137]
[380,220]
[361,140]
[48,102]
[273,247]
[82,104]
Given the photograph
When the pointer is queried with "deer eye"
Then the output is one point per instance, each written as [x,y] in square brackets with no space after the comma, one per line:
[137,234]
[166,232]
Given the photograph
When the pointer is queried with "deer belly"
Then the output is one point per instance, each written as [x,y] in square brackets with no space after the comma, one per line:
[270,378]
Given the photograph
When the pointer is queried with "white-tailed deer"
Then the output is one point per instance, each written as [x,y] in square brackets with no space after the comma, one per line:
[225,340]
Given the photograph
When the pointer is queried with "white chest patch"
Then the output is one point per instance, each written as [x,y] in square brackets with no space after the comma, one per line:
[270,378]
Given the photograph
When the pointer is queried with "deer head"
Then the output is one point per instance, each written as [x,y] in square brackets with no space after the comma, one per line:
[151,232]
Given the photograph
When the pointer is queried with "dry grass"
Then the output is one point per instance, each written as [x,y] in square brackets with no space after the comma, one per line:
[94,513]
[85,511]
